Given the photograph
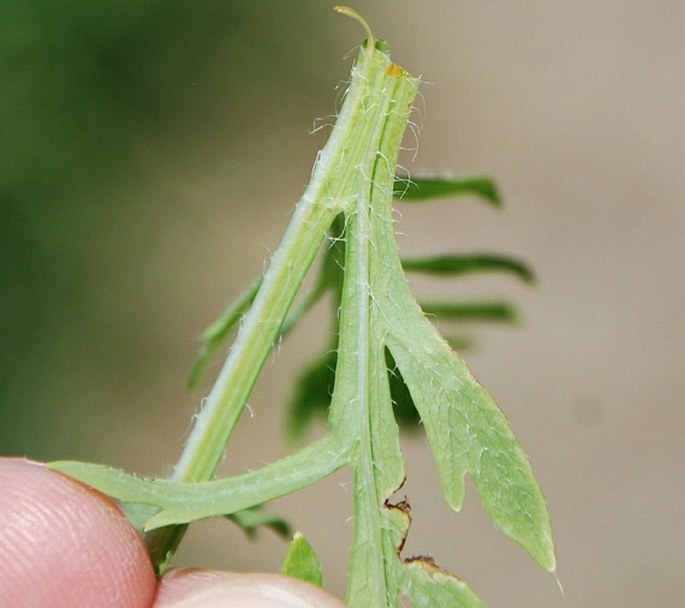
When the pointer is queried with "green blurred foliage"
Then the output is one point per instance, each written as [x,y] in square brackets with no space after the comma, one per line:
[92,95]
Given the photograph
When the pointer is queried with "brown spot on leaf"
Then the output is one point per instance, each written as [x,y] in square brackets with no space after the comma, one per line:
[430,567]
[403,509]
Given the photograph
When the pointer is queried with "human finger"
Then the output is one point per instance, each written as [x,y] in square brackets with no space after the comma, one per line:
[188,588]
[64,545]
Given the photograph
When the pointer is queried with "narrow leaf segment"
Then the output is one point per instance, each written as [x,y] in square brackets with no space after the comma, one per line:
[421,189]
[463,264]
[380,325]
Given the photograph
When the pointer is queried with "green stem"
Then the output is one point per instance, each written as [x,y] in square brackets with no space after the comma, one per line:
[378,470]
[217,419]
[335,185]
[289,474]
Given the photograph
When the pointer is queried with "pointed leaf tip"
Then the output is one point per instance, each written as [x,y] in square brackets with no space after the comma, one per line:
[301,562]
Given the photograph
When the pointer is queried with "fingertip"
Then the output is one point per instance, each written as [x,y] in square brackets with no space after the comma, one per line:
[63,544]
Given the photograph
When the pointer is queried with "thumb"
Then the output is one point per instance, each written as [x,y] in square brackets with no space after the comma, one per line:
[185,588]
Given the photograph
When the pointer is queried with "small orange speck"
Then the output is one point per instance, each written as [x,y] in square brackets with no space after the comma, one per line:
[394,70]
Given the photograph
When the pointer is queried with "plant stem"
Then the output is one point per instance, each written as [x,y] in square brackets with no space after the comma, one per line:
[335,185]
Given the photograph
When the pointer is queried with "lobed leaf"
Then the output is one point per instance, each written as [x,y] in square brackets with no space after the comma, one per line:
[381,328]
[465,428]
[469,434]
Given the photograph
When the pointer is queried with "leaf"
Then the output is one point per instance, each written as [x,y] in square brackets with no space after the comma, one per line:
[252,519]
[421,189]
[429,587]
[462,264]
[312,394]
[471,311]
[315,385]
[381,327]
[468,433]
[301,562]
[403,405]
[217,333]
[178,502]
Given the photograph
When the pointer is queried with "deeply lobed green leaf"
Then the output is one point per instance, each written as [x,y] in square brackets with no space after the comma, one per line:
[380,327]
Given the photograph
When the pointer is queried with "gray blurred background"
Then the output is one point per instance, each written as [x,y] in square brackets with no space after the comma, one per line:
[151,154]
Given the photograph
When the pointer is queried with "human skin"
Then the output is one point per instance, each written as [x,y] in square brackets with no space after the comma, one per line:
[63,544]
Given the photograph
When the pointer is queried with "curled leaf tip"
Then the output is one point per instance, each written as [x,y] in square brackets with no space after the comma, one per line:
[350,12]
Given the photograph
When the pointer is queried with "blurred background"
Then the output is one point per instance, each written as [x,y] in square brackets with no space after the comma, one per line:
[151,155]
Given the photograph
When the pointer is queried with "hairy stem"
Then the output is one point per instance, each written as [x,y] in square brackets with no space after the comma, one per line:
[334,188]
